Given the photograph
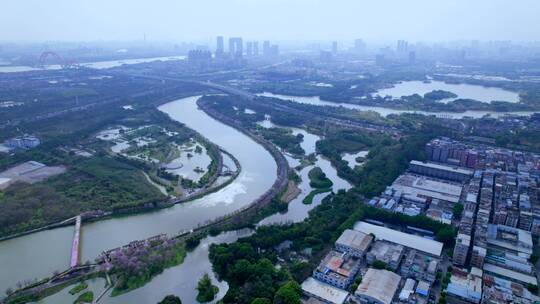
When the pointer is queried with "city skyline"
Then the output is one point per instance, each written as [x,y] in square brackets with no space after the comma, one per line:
[417,20]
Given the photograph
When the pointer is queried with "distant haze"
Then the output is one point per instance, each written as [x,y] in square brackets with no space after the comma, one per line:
[202,20]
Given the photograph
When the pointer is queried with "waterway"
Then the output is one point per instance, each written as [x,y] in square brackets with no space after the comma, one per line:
[462,90]
[39,254]
[297,211]
[316,100]
[180,280]
[94,65]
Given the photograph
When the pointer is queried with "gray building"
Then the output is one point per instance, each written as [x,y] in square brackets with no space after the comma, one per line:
[354,242]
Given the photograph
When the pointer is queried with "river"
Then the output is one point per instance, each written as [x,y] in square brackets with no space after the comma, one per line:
[316,100]
[297,211]
[182,280]
[94,65]
[38,255]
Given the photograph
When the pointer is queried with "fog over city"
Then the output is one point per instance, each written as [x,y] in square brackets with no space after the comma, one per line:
[270,151]
[201,20]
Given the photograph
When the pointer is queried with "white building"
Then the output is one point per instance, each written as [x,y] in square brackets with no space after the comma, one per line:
[419,243]
[324,292]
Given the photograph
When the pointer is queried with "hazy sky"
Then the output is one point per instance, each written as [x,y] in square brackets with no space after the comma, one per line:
[177,20]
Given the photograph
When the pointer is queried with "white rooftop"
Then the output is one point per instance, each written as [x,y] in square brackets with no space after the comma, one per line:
[324,291]
[408,240]
[354,239]
[379,284]
[442,167]
[417,185]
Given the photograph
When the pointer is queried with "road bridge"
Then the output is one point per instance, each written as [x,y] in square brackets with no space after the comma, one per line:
[76,244]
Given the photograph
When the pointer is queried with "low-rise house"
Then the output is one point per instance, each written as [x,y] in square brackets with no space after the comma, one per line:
[419,266]
[337,269]
[387,252]
[465,286]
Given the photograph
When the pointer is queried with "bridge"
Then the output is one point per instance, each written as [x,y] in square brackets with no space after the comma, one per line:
[76,244]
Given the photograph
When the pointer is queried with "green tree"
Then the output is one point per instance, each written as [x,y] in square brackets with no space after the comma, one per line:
[288,293]
[534,258]
[171,299]
[261,301]
[457,210]
[207,291]
[532,288]
[446,235]
[378,264]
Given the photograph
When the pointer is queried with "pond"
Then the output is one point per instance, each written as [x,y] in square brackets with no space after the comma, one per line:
[350,158]
[462,90]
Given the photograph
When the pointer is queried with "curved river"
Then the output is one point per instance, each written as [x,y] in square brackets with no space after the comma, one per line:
[39,254]
[181,280]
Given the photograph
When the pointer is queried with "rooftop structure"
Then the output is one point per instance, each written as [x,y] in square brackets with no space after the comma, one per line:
[419,243]
[354,242]
[419,266]
[420,186]
[501,291]
[510,274]
[387,252]
[337,269]
[378,286]
[466,286]
[440,171]
[407,291]
[516,241]
[461,249]
[22,142]
[324,292]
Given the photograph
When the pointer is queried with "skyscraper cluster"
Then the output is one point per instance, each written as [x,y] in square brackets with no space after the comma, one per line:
[236,48]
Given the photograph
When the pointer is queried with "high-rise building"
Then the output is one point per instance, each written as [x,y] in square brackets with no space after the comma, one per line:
[266,48]
[402,46]
[236,47]
[274,50]
[249,48]
[461,249]
[359,46]
[255,48]
[412,57]
[334,47]
[220,49]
